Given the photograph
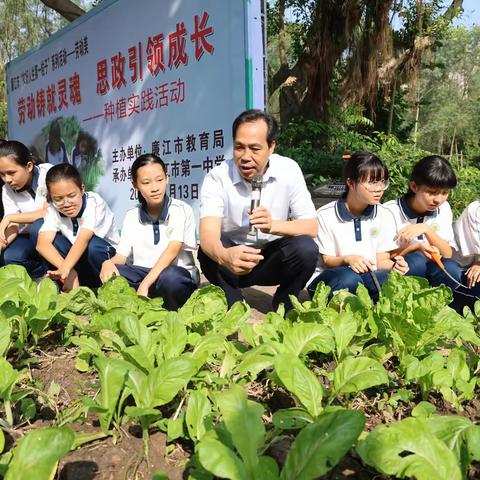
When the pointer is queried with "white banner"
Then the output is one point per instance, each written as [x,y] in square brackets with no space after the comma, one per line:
[129,78]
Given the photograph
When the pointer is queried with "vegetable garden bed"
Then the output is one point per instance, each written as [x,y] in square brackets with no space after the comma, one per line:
[112,386]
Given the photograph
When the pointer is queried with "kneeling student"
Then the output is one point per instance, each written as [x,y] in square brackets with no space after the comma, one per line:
[160,236]
[424,221]
[356,233]
[78,233]
[24,202]
[467,253]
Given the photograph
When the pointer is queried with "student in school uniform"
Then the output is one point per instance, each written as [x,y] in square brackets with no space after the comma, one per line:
[356,233]
[158,235]
[467,253]
[78,233]
[424,221]
[24,202]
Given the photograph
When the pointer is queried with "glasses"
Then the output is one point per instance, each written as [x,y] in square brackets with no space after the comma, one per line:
[60,202]
[375,185]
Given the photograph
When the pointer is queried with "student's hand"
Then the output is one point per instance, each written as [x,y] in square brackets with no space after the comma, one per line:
[400,265]
[61,273]
[358,263]
[261,218]
[71,282]
[473,275]
[411,232]
[428,249]
[3,227]
[241,259]
[109,269]
[143,289]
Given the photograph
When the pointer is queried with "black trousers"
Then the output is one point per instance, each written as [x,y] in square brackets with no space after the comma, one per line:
[288,262]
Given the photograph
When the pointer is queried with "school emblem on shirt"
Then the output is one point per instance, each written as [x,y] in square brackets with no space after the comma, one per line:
[169,232]
[374,232]
[435,227]
[42,191]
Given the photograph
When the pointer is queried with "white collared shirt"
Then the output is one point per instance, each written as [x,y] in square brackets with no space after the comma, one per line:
[340,233]
[94,216]
[29,200]
[144,240]
[227,195]
[440,220]
[467,235]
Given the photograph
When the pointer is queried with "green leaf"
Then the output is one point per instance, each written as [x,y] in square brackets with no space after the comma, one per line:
[112,373]
[300,381]
[243,420]
[5,334]
[256,360]
[235,318]
[198,408]
[175,427]
[322,444]
[219,460]
[460,435]
[457,365]
[423,409]
[8,378]
[303,338]
[344,327]
[165,381]
[205,304]
[38,453]
[291,418]
[358,373]
[408,449]
[173,335]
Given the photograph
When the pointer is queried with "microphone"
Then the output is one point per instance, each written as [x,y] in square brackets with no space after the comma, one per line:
[257,183]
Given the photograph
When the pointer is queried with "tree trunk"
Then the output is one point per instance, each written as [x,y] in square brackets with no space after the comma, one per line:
[392,105]
[67,9]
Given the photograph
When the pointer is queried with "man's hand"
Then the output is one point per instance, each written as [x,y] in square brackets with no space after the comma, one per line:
[261,218]
[411,232]
[400,265]
[358,263]
[241,259]
[473,275]
[108,270]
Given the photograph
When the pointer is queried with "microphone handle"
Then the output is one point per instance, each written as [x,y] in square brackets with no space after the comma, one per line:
[254,203]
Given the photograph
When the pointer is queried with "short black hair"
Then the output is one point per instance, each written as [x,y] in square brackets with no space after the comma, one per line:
[62,171]
[252,116]
[435,172]
[364,166]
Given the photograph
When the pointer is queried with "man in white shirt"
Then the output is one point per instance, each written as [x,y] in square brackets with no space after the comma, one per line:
[282,250]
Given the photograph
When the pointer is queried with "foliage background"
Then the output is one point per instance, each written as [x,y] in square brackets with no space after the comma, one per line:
[397,77]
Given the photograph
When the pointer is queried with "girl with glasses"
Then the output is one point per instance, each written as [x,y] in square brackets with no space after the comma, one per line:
[24,201]
[424,221]
[356,233]
[78,233]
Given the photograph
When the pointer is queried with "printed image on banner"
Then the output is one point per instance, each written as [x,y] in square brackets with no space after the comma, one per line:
[136,77]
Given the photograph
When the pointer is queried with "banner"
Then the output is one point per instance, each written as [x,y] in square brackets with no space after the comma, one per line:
[161,76]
